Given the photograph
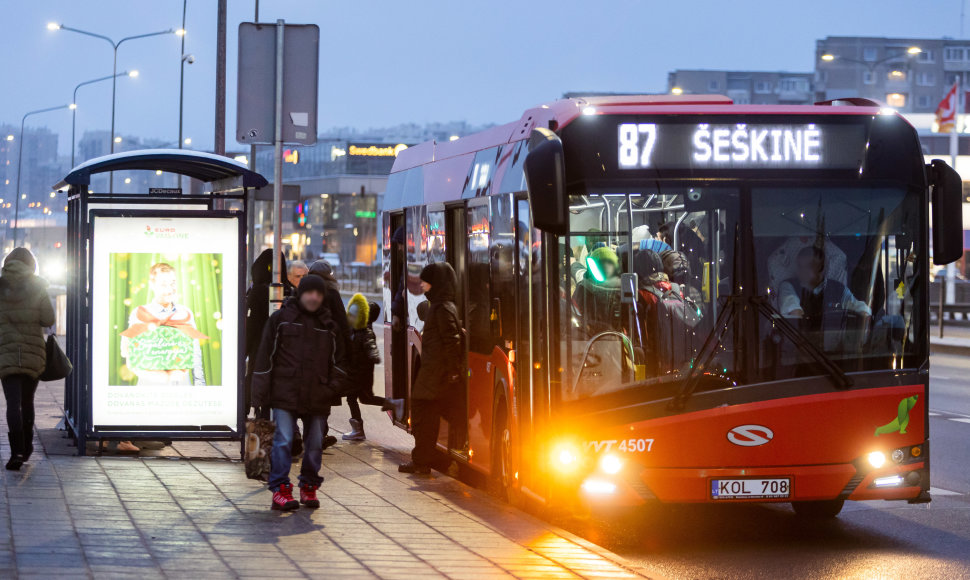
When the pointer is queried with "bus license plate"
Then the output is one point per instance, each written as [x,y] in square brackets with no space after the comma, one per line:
[769,488]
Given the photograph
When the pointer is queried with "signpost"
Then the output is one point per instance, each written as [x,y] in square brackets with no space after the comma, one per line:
[277,104]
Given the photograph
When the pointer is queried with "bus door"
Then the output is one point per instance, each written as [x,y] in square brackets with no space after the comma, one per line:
[455,435]
[397,370]
[527,326]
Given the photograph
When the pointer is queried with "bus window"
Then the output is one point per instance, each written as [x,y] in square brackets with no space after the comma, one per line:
[417,259]
[617,238]
[479,309]
[839,266]
[502,263]
[436,237]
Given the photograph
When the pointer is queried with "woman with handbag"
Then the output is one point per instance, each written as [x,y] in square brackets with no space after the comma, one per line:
[25,311]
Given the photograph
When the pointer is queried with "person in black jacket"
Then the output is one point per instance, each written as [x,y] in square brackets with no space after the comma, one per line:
[298,372]
[362,357]
[441,364]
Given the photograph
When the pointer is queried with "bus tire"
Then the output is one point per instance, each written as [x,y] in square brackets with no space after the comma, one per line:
[825,509]
[502,481]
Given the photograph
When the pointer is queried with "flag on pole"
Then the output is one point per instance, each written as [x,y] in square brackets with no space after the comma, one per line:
[946,111]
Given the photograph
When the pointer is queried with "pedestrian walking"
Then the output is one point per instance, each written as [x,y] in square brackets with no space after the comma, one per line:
[362,357]
[298,372]
[441,365]
[25,311]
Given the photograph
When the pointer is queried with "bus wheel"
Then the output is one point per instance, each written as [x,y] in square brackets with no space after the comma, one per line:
[502,480]
[818,510]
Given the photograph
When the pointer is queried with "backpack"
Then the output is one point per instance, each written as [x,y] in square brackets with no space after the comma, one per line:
[673,326]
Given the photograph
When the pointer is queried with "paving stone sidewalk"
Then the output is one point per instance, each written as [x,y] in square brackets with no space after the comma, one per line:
[169,516]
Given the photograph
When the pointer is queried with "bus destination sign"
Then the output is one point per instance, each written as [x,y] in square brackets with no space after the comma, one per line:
[739,145]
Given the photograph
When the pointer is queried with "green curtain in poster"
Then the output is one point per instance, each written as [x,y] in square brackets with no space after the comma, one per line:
[198,283]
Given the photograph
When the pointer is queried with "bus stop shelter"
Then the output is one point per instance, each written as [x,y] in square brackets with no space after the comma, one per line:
[155,313]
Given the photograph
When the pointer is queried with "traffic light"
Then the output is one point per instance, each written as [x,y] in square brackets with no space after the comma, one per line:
[301,211]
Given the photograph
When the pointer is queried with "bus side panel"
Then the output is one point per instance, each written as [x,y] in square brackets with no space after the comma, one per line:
[481,382]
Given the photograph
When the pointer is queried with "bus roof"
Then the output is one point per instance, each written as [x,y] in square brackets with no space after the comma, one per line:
[557,114]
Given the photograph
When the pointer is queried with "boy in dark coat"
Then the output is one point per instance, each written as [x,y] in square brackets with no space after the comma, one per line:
[298,371]
[441,364]
[363,356]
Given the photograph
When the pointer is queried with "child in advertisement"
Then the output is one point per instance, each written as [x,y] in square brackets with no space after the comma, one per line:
[161,344]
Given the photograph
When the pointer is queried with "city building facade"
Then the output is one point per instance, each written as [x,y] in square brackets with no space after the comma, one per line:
[745,87]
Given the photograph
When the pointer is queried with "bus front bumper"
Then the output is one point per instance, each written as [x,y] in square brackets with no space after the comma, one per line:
[733,485]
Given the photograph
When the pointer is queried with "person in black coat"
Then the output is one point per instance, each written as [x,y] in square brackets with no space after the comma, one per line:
[299,369]
[441,364]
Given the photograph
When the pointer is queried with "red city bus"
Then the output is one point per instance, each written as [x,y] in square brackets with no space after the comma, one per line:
[680,299]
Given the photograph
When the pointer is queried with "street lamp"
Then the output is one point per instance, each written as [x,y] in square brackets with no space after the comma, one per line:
[114,70]
[871,66]
[131,74]
[20,161]
[829,57]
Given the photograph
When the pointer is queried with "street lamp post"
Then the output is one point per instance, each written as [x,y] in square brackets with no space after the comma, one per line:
[20,163]
[114,70]
[131,74]
[911,52]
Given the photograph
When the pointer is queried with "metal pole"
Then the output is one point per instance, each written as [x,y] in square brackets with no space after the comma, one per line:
[251,217]
[276,294]
[20,166]
[951,269]
[220,140]
[73,125]
[182,74]
[114,88]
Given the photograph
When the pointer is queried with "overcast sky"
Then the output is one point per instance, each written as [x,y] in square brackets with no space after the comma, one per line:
[384,62]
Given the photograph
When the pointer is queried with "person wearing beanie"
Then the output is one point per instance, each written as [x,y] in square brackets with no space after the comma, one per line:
[332,300]
[363,356]
[442,365]
[597,296]
[300,369]
[25,311]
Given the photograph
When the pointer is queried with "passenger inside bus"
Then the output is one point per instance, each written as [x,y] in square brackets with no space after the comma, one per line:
[810,295]
[597,296]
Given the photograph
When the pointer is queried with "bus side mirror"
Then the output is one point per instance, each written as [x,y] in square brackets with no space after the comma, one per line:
[947,199]
[545,175]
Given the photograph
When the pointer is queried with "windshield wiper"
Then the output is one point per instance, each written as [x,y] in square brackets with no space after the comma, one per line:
[723,322]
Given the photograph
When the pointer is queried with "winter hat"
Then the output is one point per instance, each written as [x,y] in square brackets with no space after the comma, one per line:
[427,274]
[640,233]
[310,283]
[321,268]
[604,255]
[22,255]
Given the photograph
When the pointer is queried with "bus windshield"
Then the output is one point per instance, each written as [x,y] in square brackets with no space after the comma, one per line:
[646,274]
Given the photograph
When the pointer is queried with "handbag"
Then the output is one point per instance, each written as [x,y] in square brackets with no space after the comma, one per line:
[58,365]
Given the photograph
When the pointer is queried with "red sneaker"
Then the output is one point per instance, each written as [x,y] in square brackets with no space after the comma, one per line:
[308,496]
[283,499]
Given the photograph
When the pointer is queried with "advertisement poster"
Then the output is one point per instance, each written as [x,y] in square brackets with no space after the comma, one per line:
[165,308]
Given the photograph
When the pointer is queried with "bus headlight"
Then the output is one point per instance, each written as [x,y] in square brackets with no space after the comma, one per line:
[565,458]
[898,455]
[598,487]
[611,464]
[877,459]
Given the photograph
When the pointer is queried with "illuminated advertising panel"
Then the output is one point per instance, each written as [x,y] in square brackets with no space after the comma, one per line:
[165,303]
